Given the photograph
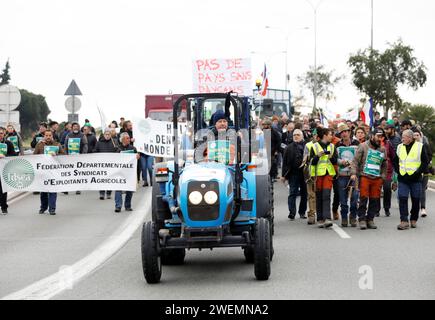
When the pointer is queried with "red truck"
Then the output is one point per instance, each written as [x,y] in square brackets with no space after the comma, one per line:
[159,107]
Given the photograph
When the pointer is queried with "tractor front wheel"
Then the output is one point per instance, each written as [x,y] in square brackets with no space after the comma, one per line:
[151,262]
[262,249]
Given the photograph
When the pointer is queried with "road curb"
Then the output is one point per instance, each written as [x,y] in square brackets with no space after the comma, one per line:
[431,184]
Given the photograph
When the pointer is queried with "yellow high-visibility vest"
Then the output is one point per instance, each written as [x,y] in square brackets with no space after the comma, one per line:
[409,162]
[324,165]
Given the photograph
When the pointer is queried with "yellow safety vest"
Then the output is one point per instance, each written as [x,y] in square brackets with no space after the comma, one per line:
[409,162]
[309,146]
[324,165]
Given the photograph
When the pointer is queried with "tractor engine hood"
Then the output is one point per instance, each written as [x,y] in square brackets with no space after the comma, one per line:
[206,195]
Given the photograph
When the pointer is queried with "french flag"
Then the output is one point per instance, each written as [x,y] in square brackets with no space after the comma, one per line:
[265,84]
[367,113]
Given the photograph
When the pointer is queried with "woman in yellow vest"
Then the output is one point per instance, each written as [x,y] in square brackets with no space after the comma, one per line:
[324,157]
[410,164]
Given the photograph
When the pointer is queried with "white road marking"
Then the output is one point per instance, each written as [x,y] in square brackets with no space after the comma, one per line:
[53,285]
[340,232]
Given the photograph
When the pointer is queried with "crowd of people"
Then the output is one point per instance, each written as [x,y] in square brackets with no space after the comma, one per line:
[76,139]
[342,170]
[349,166]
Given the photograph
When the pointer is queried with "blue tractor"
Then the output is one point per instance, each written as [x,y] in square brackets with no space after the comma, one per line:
[216,193]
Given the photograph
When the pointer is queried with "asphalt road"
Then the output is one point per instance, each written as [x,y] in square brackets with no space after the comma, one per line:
[309,263]
[34,246]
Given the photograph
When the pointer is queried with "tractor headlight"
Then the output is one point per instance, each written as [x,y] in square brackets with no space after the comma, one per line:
[195,197]
[211,197]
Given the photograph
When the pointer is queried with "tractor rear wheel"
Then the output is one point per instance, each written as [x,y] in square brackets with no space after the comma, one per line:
[262,249]
[173,257]
[151,262]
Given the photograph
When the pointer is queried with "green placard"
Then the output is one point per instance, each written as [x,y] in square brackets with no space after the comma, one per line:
[51,150]
[128,151]
[74,146]
[219,151]
[3,149]
[346,153]
[373,163]
[14,140]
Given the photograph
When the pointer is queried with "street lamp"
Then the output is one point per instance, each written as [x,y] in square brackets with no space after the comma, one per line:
[372,26]
[315,7]
[287,34]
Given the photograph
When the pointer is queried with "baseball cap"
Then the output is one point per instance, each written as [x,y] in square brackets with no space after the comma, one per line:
[378,131]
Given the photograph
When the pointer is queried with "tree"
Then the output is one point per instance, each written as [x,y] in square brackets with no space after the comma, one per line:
[33,109]
[379,74]
[423,115]
[326,81]
[5,77]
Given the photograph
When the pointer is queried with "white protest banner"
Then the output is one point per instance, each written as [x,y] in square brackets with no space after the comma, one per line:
[46,173]
[222,76]
[351,115]
[155,138]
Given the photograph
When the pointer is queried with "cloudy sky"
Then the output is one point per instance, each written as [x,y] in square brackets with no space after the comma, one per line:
[119,51]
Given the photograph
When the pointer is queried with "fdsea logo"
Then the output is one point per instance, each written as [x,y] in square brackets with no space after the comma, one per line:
[18,174]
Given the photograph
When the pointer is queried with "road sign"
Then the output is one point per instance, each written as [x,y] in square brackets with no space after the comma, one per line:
[10,98]
[73,104]
[73,90]
[73,117]
[13,116]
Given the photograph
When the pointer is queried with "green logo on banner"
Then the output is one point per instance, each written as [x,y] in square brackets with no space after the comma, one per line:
[18,174]
[145,127]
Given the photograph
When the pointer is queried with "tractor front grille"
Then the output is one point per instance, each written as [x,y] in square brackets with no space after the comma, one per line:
[203,211]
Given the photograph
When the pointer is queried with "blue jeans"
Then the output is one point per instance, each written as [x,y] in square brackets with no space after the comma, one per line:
[297,182]
[415,189]
[48,201]
[146,166]
[118,199]
[343,193]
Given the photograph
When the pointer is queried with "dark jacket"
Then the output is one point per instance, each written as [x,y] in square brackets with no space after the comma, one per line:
[83,142]
[417,176]
[275,140]
[292,159]
[127,148]
[36,140]
[395,141]
[63,136]
[92,142]
[106,146]
[55,136]
[287,137]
